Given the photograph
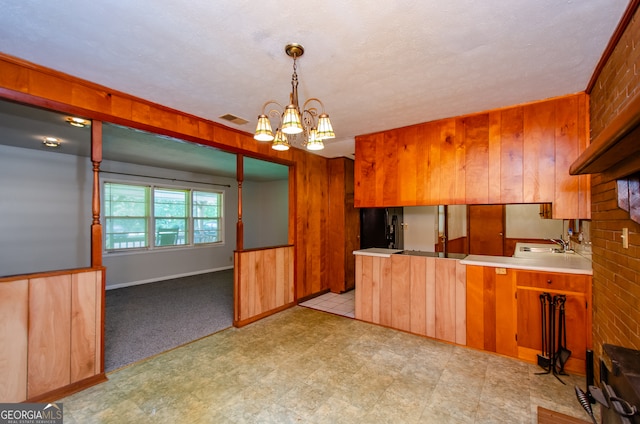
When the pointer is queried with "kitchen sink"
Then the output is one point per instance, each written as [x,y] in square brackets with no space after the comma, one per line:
[540,249]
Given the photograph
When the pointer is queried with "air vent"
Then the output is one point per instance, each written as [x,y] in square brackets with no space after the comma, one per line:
[234,119]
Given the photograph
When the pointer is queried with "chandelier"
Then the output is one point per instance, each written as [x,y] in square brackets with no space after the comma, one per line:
[308,122]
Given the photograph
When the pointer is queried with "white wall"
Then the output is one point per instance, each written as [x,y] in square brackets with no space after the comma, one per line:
[45,219]
[265,213]
[145,266]
[421,228]
[457,221]
[45,211]
[524,221]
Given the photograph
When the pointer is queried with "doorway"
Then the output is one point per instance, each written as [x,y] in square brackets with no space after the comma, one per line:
[486,230]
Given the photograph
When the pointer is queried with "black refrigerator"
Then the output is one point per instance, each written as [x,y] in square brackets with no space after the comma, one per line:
[381,227]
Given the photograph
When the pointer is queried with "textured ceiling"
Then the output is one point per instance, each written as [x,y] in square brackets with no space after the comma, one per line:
[375,65]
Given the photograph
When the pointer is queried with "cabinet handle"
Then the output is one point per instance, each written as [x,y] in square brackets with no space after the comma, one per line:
[548,281]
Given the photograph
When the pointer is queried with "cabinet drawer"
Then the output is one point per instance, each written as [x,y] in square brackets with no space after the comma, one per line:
[553,281]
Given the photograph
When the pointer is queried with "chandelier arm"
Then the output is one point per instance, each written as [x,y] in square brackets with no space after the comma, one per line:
[267,103]
[312,99]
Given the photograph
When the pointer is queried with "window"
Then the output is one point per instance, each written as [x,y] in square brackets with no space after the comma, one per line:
[207,211]
[144,216]
[170,216]
[126,214]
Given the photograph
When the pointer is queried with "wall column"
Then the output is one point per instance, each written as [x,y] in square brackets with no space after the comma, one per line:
[240,225]
[96,227]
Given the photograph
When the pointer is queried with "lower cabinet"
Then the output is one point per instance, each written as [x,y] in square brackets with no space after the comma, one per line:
[420,295]
[504,312]
[577,308]
[491,309]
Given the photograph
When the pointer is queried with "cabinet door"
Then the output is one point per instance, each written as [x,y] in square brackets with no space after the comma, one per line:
[49,334]
[13,341]
[491,309]
[530,327]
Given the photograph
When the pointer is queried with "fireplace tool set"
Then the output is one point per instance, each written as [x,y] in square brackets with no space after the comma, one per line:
[554,343]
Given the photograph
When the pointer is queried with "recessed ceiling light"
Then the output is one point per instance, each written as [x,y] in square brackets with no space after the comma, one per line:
[51,142]
[78,122]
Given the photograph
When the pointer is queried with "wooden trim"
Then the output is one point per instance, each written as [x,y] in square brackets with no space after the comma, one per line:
[312,296]
[237,293]
[96,226]
[49,274]
[615,143]
[242,323]
[69,389]
[105,104]
[547,416]
[613,42]
[257,249]
[100,348]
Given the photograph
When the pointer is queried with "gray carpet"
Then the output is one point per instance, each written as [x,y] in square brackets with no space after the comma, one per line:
[141,321]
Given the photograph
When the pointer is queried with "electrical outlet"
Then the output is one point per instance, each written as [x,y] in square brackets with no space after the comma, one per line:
[625,238]
[501,271]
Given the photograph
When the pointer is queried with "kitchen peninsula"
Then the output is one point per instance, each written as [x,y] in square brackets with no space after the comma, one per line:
[484,302]
[420,292]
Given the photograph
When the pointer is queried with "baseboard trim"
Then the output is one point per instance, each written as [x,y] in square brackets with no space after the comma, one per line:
[69,389]
[165,277]
[312,296]
[242,323]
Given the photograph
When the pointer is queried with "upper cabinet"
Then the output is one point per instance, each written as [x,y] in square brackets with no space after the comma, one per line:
[520,154]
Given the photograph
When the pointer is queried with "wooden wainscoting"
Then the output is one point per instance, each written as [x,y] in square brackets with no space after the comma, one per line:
[51,337]
[263,283]
[420,295]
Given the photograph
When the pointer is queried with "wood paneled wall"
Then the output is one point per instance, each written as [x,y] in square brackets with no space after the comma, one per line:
[32,84]
[421,295]
[263,283]
[518,154]
[51,340]
[343,224]
[14,316]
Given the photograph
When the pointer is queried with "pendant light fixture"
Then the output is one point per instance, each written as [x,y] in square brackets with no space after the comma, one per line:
[311,124]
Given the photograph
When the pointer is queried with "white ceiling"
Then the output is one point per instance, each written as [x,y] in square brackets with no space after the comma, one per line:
[375,65]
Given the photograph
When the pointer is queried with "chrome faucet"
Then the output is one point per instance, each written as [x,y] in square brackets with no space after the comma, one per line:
[561,243]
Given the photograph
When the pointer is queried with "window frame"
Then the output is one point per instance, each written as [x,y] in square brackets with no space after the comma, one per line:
[188,235]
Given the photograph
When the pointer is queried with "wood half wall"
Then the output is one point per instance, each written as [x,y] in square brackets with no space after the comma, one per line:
[263,283]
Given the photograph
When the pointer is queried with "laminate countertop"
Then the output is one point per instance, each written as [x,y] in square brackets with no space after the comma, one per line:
[386,253]
[569,263]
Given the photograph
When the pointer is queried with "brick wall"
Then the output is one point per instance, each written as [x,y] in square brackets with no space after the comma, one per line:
[619,80]
[616,271]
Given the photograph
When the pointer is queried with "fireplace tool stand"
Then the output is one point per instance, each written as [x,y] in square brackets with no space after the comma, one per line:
[553,356]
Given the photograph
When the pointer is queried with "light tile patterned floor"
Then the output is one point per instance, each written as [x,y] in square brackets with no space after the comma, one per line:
[339,304]
[306,366]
